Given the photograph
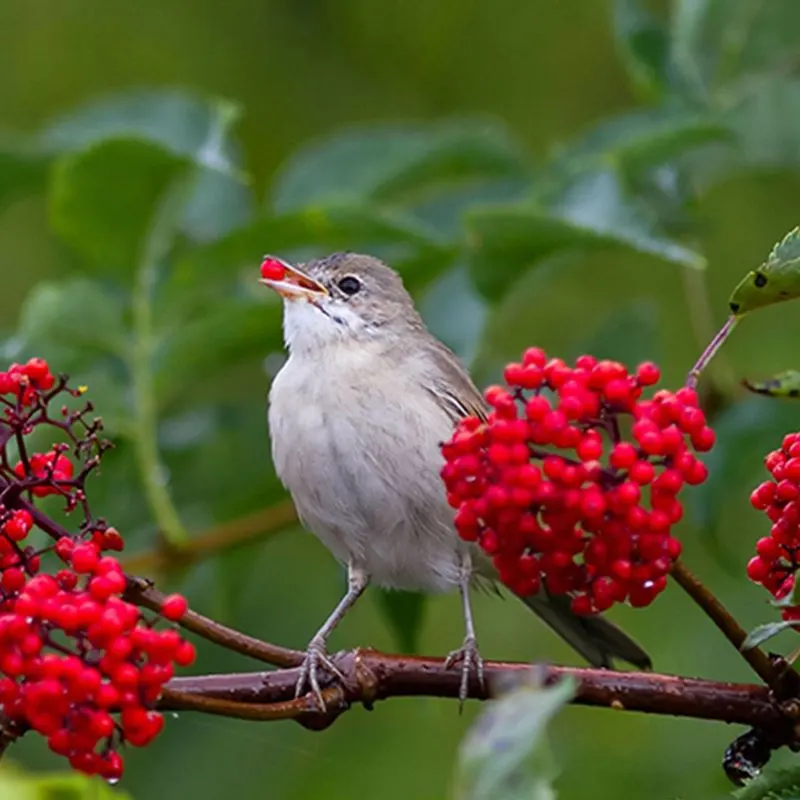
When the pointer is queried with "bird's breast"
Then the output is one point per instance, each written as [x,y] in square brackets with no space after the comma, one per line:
[356,443]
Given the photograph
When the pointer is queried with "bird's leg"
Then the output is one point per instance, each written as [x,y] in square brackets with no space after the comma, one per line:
[317,651]
[468,653]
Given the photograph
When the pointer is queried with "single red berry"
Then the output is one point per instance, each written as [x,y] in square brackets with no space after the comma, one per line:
[174,607]
[273,269]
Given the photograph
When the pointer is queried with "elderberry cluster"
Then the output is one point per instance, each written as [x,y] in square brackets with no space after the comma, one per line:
[79,663]
[572,480]
[776,562]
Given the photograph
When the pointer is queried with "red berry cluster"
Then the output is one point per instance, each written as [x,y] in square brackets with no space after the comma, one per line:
[26,379]
[554,492]
[777,561]
[78,663]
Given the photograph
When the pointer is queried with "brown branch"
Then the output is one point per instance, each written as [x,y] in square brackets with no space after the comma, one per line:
[229,535]
[372,676]
[723,619]
[142,593]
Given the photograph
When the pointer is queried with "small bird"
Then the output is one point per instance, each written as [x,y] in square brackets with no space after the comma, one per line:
[357,415]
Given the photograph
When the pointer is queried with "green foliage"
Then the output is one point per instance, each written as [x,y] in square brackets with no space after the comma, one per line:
[505,754]
[18,785]
[786,384]
[777,785]
[392,163]
[776,280]
[765,632]
[152,301]
[405,614]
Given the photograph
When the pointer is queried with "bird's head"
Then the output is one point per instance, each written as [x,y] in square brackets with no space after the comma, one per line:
[344,297]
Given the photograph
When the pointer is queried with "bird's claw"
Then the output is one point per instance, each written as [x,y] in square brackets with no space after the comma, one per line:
[316,660]
[470,658]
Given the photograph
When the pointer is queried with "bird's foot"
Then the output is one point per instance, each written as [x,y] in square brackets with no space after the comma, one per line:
[470,659]
[316,661]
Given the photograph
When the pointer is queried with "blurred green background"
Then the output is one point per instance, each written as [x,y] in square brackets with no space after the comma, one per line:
[615,224]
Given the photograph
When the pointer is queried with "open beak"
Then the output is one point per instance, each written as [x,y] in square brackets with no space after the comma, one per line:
[293,284]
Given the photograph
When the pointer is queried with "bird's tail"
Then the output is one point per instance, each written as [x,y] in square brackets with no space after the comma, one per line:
[596,639]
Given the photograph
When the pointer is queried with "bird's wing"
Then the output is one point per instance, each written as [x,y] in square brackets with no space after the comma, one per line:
[452,385]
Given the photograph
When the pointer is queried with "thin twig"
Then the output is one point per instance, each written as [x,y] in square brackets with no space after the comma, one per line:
[711,350]
[141,593]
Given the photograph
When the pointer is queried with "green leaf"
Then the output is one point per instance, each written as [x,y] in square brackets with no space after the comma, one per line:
[594,213]
[18,785]
[505,754]
[185,125]
[643,42]
[190,127]
[762,633]
[218,205]
[642,139]
[776,280]
[785,384]
[782,784]
[629,335]
[103,199]
[455,313]
[404,611]
[324,227]
[767,124]
[394,162]
[78,314]
[230,332]
[719,43]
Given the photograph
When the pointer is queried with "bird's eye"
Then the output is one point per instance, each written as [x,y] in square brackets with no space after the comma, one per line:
[349,284]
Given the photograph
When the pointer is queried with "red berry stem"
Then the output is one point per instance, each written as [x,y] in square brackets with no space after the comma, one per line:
[711,350]
[726,623]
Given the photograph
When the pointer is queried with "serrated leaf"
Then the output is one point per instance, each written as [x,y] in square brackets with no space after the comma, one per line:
[775,281]
[762,633]
[643,41]
[783,784]
[72,322]
[103,199]
[785,384]
[232,331]
[594,213]
[505,754]
[404,611]
[389,162]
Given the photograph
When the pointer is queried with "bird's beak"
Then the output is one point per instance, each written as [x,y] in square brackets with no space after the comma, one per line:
[293,284]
